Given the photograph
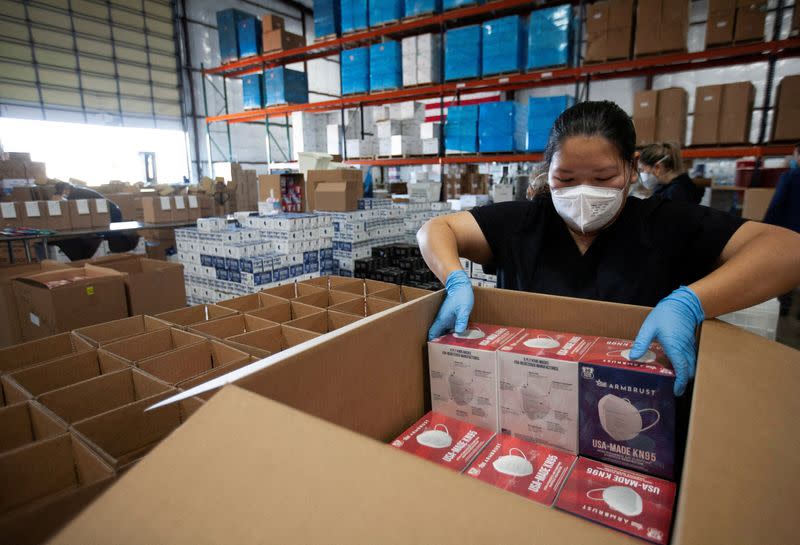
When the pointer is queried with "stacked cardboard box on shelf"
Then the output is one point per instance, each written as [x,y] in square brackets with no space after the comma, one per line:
[275,37]
[327,23]
[786,125]
[609,30]
[660,116]
[662,26]
[354,15]
[723,113]
[461,129]
[496,126]
[465,180]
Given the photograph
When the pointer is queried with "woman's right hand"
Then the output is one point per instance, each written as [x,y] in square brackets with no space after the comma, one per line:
[456,308]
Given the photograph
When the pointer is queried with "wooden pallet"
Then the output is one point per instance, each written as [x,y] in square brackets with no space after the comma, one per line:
[659,53]
[326,37]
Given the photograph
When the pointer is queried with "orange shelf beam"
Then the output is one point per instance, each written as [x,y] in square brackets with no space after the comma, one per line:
[334,45]
[556,76]
[692,153]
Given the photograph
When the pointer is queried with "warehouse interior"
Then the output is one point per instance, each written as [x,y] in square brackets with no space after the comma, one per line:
[251,249]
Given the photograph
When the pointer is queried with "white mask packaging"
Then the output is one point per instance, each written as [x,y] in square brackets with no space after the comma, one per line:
[627,415]
[531,470]
[539,386]
[463,373]
[631,502]
[443,440]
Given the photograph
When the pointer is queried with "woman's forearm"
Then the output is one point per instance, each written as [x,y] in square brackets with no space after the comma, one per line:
[765,266]
[439,248]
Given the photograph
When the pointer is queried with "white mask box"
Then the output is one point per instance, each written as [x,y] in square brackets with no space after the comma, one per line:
[463,373]
[628,411]
[539,387]
[533,471]
[633,503]
[443,440]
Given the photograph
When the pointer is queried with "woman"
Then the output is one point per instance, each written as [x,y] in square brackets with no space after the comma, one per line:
[582,237]
[661,171]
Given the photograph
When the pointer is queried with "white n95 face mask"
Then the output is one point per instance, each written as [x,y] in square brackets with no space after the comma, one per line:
[470,334]
[460,390]
[535,402]
[649,356]
[648,180]
[587,208]
[542,341]
[513,465]
[435,438]
[620,419]
[622,499]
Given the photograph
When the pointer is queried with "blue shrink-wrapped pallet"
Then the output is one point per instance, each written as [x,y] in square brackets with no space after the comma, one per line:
[502,45]
[385,11]
[385,66]
[496,126]
[549,41]
[462,53]
[422,7]
[326,18]
[354,15]
[453,4]
[251,91]
[249,36]
[227,31]
[461,129]
[542,113]
[285,86]
[355,70]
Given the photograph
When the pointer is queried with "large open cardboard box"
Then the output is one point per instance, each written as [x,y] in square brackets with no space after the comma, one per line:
[337,400]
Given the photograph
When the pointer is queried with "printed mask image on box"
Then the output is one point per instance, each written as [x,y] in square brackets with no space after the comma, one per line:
[533,471]
[627,414]
[463,373]
[538,373]
[443,440]
[637,504]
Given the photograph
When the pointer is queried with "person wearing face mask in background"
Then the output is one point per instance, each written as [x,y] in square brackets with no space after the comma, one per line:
[581,236]
[784,210]
[661,171]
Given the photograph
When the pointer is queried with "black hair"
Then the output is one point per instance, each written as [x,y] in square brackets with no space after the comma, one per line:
[61,186]
[594,118]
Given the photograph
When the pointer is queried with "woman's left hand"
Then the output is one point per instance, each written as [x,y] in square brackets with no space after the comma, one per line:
[673,323]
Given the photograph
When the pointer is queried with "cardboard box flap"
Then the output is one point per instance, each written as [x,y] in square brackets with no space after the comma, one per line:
[41,350]
[760,460]
[72,276]
[395,491]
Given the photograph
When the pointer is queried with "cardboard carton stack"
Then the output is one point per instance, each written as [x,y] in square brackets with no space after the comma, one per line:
[17,169]
[723,113]
[787,110]
[662,26]
[415,214]
[735,21]
[465,180]
[660,116]
[336,190]
[274,36]
[609,30]
[397,129]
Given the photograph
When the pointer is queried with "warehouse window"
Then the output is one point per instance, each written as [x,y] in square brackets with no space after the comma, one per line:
[96,153]
[77,59]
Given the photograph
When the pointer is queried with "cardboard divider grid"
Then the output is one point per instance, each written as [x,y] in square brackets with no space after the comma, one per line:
[266,342]
[60,372]
[403,295]
[333,282]
[253,301]
[323,322]
[140,347]
[284,312]
[103,393]
[223,328]
[365,306]
[185,317]
[292,291]
[327,298]
[27,422]
[41,350]
[123,435]
[196,363]
[116,330]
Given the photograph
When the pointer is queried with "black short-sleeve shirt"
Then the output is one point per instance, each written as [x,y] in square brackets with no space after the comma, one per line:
[654,246]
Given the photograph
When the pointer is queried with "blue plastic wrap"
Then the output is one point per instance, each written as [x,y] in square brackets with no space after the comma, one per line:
[326,18]
[496,126]
[542,112]
[355,15]
[385,66]
[462,53]
[453,4]
[285,86]
[461,129]
[355,70]
[385,11]
[251,91]
[249,36]
[422,7]
[227,29]
[549,41]
[502,45]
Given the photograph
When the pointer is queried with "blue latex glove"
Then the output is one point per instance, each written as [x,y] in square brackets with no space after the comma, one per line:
[673,323]
[457,306]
